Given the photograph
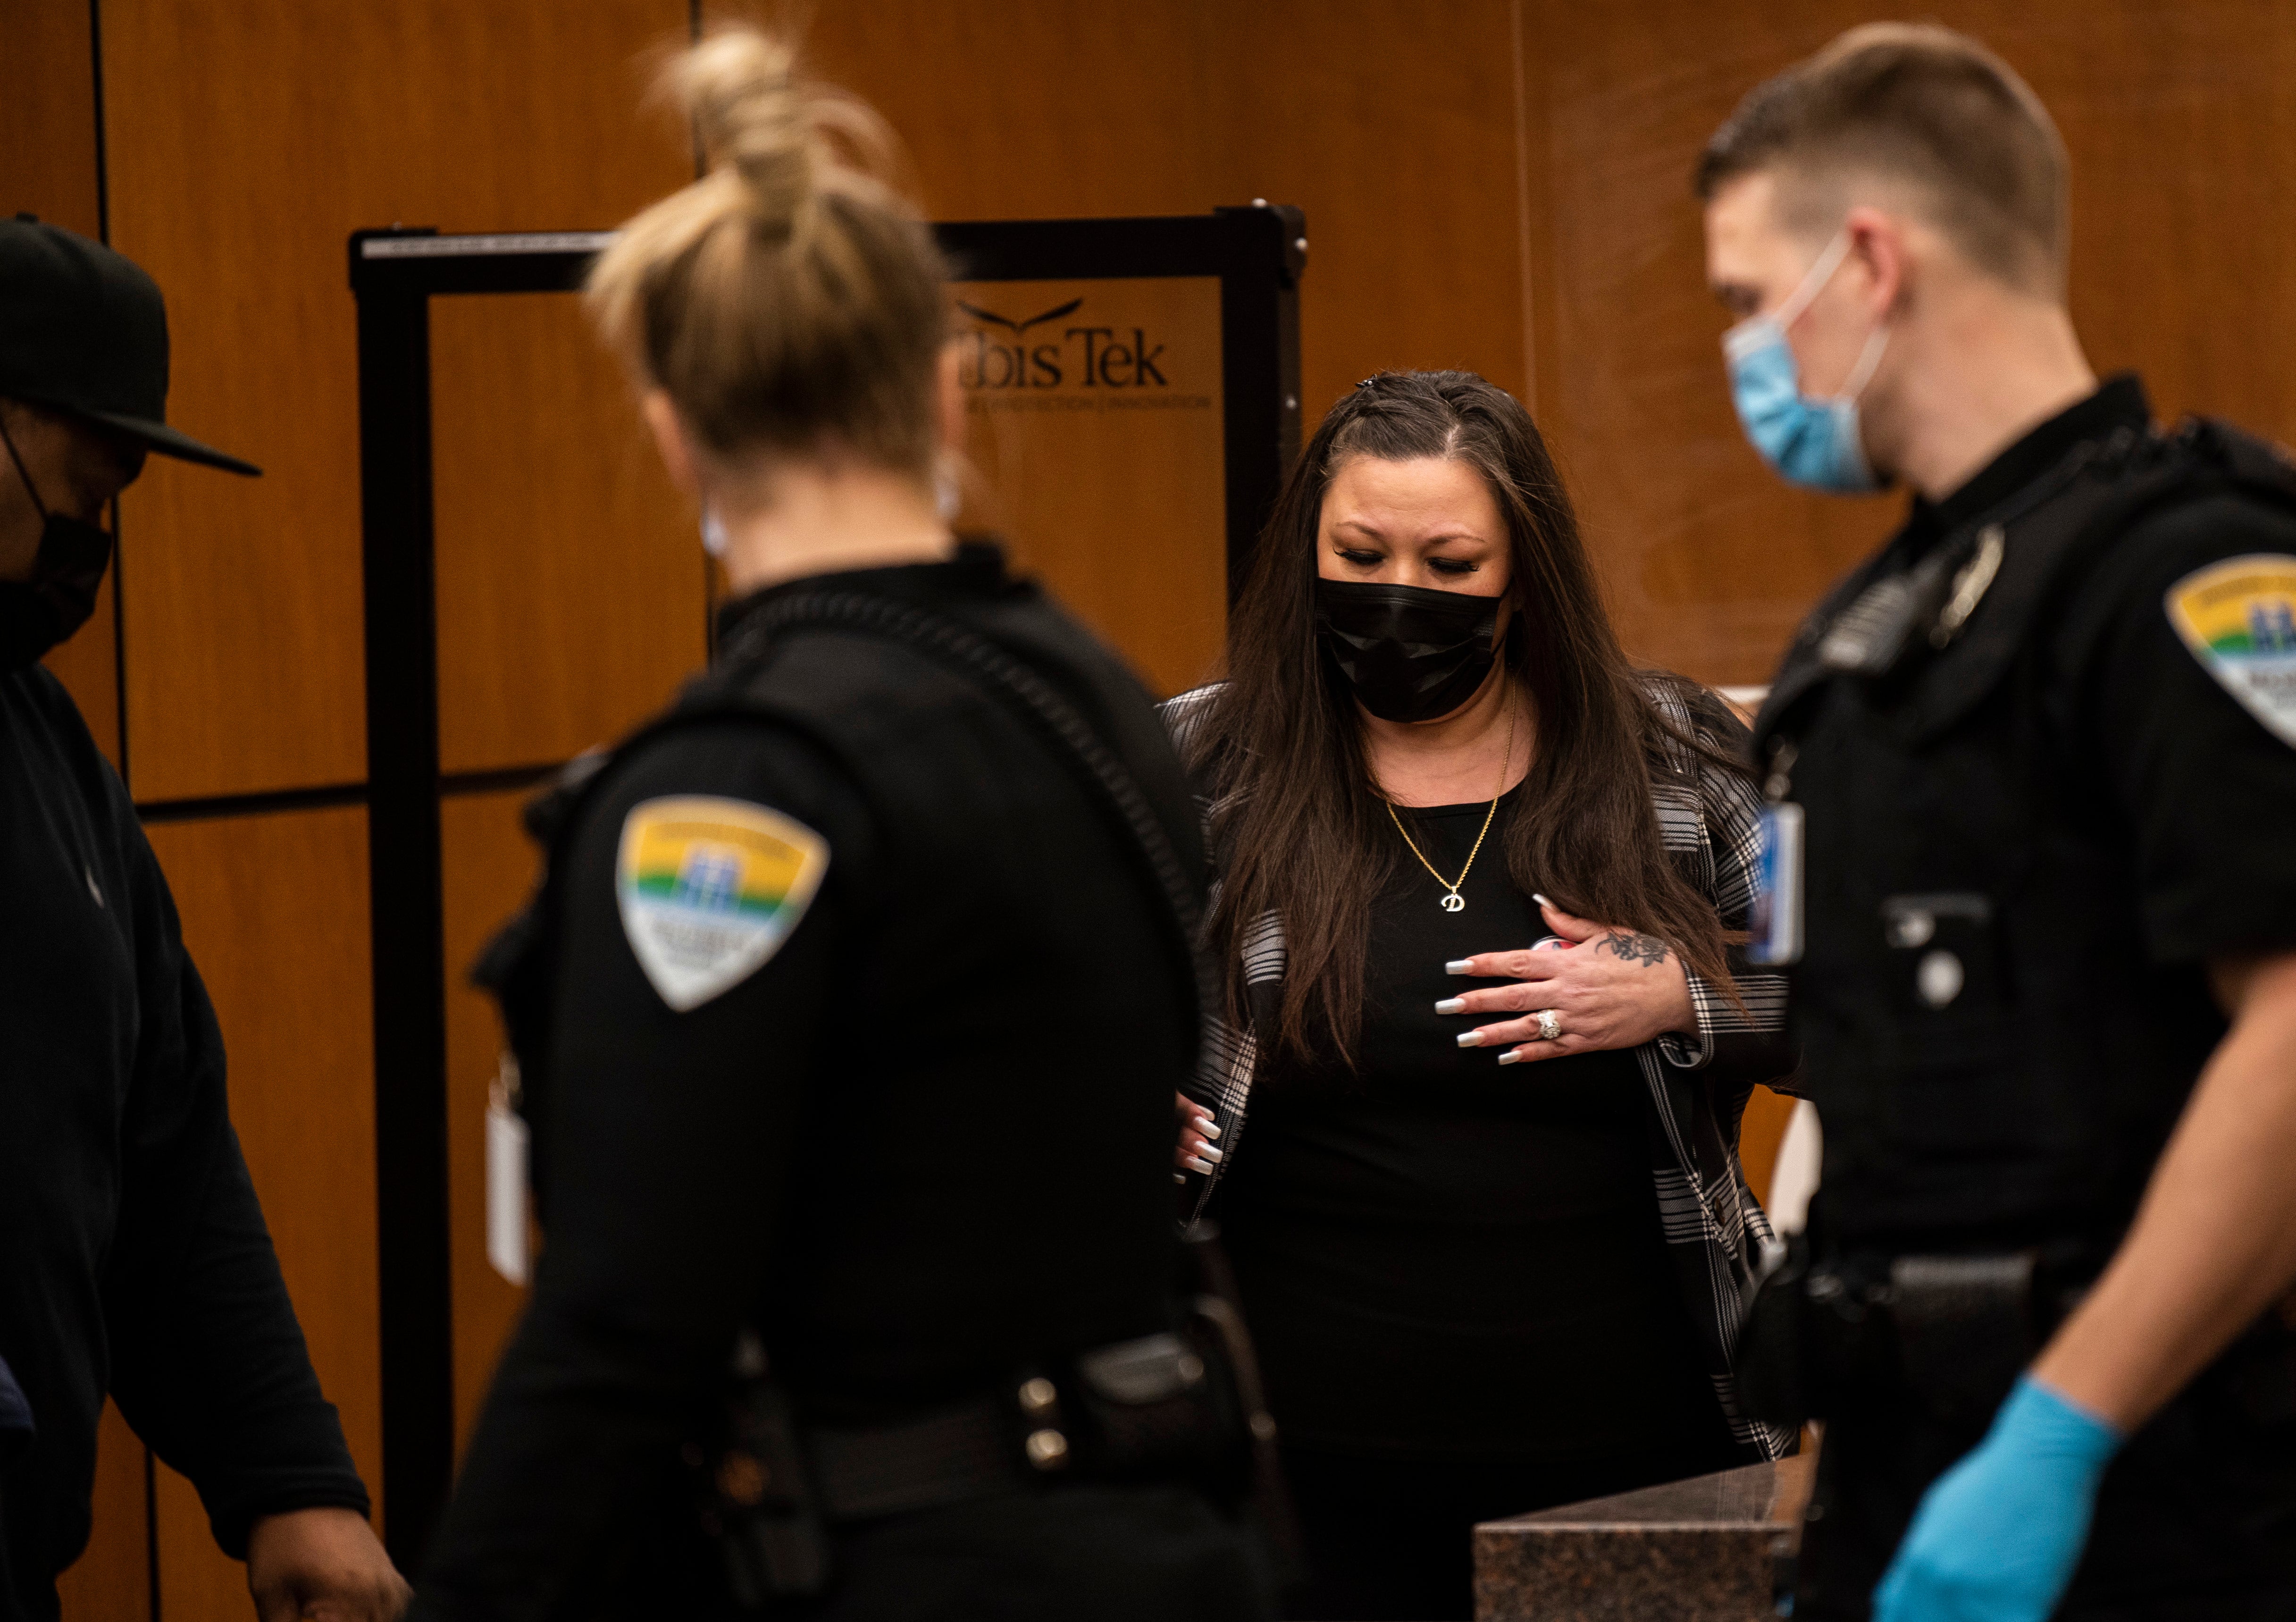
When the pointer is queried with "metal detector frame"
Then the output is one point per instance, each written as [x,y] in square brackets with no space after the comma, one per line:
[1257,254]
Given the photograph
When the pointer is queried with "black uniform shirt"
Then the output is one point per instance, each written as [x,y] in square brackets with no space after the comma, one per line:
[926,1140]
[2129,819]
[133,1255]
[2204,793]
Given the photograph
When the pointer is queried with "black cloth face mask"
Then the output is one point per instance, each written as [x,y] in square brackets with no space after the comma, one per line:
[1411,654]
[67,572]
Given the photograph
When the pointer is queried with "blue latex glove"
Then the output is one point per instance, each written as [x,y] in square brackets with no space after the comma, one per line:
[1997,1536]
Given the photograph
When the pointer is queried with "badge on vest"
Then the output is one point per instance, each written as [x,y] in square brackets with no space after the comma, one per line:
[710,889]
[2239,618]
[1774,929]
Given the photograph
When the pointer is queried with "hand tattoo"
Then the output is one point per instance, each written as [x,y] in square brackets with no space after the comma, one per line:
[1648,950]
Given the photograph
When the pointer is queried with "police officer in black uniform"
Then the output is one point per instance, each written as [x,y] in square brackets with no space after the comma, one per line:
[851,1011]
[134,1262]
[2033,769]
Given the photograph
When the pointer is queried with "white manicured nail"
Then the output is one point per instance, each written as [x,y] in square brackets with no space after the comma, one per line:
[1208,1127]
[1470,1038]
[1452,1005]
[1203,1166]
[1209,1152]
[1512,1056]
[1543,901]
[1459,966]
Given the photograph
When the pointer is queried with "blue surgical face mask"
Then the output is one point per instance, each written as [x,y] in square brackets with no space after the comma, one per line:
[1809,442]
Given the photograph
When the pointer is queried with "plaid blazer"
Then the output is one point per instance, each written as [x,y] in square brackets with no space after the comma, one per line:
[1695,1088]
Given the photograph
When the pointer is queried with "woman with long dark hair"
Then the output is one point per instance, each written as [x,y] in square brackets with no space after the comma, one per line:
[1477,878]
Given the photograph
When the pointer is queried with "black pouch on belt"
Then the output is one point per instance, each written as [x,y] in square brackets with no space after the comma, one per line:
[760,1502]
[1966,1328]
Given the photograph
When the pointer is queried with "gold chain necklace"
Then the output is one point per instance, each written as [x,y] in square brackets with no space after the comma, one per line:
[1454,901]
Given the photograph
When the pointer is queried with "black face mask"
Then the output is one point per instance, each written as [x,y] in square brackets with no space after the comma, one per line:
[38,614]
[1411,654]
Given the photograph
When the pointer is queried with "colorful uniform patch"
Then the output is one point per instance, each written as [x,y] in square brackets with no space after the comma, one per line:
[2239,618]
[710,889]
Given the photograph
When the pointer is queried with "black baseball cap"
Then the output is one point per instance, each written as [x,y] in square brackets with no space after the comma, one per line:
[85,330]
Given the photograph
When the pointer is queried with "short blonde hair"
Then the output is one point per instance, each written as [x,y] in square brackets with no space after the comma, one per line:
[790,301]
[1924,105]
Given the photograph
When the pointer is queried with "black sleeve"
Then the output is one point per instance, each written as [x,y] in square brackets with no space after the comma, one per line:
[208,1364]
[669,1137]
[2205,791]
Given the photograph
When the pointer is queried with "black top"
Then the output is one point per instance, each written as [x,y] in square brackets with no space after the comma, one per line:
[925,1140]
[1443,1257]
[136,1258]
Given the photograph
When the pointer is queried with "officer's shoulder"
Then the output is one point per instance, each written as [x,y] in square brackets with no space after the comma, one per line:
[2183,531]
[748,767]
[718,751]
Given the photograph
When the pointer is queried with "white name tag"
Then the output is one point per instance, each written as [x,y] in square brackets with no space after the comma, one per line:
[1776,927]
[506,1155]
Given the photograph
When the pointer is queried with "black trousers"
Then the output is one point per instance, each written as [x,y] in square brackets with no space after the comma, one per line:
[1390,1540]
[2195,1521]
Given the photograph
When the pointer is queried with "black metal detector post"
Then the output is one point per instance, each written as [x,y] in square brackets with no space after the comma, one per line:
[1257,253]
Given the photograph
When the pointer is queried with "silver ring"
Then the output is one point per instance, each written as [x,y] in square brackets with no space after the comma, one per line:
[1549,1027]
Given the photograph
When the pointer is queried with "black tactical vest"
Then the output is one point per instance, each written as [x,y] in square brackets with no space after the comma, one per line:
[1995,1062]
[856,693]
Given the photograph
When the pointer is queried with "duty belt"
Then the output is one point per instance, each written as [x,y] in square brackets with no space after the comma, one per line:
[1173,1407]
[1955,1331]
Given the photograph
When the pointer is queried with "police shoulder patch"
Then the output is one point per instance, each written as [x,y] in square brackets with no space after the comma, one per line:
[2239,619]
[710,889]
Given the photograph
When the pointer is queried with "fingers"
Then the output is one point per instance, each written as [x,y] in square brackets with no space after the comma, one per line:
[1507,965]
[1507,999]
[1196,1151]
[1507,1031]
[1562,1047]
[1562,923]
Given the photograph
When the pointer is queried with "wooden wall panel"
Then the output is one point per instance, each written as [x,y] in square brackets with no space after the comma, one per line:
[247,139]
[275,912]
[47,118]
[1759,1133]
[571,582]
[1709,561]
[490,866]
[2179,126]
[1102,465]
[1393,126]
[112,1582]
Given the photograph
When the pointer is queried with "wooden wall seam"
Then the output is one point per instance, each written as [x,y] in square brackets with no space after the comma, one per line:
[1522,209]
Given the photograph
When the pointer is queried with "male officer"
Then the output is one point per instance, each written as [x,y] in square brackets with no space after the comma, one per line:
[133,1259]
[2034,765]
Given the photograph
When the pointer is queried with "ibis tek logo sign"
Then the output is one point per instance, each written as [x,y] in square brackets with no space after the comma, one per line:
[1038,352]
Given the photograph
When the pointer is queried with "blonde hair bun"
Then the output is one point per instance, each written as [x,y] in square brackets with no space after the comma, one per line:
[790,297]
[752,114]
